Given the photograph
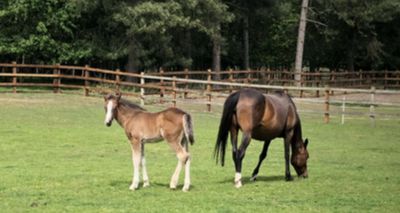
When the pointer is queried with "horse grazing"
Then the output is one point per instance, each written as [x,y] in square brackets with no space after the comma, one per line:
[262,117]
[141,127]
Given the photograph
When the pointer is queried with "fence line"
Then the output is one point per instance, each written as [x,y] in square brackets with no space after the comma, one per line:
[85,77]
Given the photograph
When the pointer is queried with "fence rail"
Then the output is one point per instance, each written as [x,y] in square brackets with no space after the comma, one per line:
[172,83]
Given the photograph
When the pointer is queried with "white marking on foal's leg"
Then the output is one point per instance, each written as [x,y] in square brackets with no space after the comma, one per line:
[109,112]
[238,180]
[187,176]
[144,170]
[175,176]
[136,164]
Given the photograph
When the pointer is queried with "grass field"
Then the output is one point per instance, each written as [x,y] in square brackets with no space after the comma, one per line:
[56,155]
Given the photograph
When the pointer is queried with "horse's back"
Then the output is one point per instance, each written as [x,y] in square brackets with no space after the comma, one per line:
[279,116]
[250,108]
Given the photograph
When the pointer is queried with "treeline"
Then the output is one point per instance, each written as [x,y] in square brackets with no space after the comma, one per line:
[200,34]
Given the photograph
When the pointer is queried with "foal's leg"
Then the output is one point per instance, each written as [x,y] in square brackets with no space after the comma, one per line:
[239,158]
[182,156]
[136,156]
[287,140]
[144,169]
[261,158]
[187,170]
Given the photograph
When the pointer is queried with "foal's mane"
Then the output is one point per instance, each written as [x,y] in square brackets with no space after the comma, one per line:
[130,104]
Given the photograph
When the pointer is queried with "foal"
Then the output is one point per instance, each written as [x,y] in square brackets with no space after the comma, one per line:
[141,127]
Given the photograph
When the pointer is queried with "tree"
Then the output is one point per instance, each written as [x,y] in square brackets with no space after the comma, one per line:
[300,42]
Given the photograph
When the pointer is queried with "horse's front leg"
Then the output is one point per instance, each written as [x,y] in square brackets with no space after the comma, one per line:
[287,140]
[136,157]
[263,155]
[239,158]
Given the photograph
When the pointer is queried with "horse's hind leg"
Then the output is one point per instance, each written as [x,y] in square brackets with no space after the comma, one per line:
[263,155]
[183,157]
[144,170]
[136,157]
[239,158]
[187,170]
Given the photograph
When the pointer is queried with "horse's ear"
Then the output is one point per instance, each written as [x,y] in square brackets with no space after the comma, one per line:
[306,142]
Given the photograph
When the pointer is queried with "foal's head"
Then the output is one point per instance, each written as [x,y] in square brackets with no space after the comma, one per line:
[299,159]
[110,105]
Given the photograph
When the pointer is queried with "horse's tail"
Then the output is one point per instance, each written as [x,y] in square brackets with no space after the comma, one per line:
[188,128]
[224,126]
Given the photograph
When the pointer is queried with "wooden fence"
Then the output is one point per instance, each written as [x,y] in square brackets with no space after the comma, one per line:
[168,84]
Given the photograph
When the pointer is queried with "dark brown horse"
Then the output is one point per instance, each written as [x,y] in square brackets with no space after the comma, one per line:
[262,117]
[172,125]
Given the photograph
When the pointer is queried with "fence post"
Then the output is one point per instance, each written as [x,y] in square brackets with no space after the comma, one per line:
[372,106]
[208,90]
[326,114]
[162,90]
[318,78]
[142,89]
[14,79]
[248,79]
[174,91]
[185,93]
[230,80]
[386,82]
[56,79]
[343,106]
[301,84]
[85,70]
[117,79]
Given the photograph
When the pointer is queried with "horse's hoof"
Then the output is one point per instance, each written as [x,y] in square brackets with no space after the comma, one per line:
[146,184]
[238,184]
[254,178]
[289,178]
[185,189]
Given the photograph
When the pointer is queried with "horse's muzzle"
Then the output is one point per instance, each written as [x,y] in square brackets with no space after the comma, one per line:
[108,123]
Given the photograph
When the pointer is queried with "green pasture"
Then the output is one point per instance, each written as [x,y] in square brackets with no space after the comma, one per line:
[56,155]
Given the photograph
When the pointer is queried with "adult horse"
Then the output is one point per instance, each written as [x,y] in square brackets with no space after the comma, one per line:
[141,127]
[262,117]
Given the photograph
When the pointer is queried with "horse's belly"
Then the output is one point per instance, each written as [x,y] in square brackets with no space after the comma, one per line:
[264,134]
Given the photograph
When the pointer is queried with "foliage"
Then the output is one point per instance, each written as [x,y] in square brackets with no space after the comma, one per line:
[174,34]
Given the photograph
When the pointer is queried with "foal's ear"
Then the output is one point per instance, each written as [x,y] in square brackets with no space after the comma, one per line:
[306,142]
[118,94]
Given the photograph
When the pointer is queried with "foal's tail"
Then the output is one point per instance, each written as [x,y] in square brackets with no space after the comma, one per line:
[188,128]
[224,126]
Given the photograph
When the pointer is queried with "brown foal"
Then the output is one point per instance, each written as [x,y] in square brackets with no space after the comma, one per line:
[172,125]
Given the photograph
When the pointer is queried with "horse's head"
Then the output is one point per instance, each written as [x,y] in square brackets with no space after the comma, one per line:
[299,159]
[110,106]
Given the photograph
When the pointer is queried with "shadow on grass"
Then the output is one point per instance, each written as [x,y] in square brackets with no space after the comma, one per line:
[246,179]
[122,184]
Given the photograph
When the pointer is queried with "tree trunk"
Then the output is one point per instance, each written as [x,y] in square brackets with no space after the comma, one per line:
[132,65]
[188,46]
[246,58]
[300,43]
[350,51]
[216,60]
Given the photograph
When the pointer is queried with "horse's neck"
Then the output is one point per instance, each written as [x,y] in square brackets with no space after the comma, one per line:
[123,112]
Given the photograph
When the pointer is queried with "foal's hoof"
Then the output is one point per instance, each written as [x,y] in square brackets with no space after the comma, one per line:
[185,189]
[146,184]
[133,187]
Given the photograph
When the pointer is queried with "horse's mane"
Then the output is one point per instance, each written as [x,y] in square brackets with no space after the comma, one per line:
[130,104]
